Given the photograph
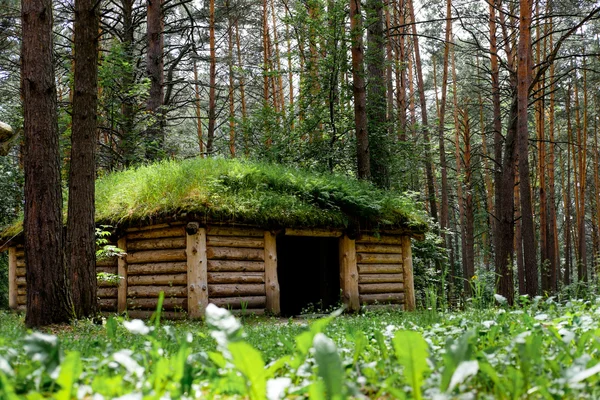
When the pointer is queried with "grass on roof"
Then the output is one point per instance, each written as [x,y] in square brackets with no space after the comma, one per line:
[244,192]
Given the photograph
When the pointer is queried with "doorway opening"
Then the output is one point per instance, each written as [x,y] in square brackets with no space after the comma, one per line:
[308,270]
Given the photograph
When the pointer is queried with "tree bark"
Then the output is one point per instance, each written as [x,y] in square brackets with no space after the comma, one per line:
[155,71]
[48,289]
[81,225]
[212,103]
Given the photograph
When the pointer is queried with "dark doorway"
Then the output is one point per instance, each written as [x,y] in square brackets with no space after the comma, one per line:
[308,269]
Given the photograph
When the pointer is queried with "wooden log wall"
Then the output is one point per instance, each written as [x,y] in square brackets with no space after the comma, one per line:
[381,276]
[236,268]
[156,262]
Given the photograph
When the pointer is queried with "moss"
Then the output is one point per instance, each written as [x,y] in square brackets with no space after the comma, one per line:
[244,192]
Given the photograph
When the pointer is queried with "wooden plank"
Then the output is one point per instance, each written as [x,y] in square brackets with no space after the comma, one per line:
[169,303]
[156,256]
[157,268]
[235,277]
[197,266]
[378,248]
[369,239]
[108,270]
[108,304]
[21,291]
[233,290]
[409,287]
[154,291]
[20,253]
[172,231]
[148,228]
[146,314]
[166,279]
[391,298]
[235,241]
[235,253]
[107,262]
[380,278]
[21,271]
[349,273]
[272,289]
[21,300]
[122,272]
[111,292]
[236,302]
[105,284]
[370,288]
[314,232]
[12,278]
[380,268]
[216,230]
[156,244]
[20,262]
[377,258]
[235,266]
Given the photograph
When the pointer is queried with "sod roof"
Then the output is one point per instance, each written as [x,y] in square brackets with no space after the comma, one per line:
[244,192]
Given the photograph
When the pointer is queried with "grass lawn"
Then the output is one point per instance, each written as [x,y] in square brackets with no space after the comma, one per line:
[542,350]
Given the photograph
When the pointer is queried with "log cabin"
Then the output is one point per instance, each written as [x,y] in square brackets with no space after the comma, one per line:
[255,238]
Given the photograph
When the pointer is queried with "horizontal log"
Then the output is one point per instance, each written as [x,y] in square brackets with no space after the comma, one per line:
[236,302]
[370,288]
[21,281]
[313,232]
[236,277]
[22,308]
[169,303]
[231,290]
[215,230]
[156,244]
[107,262]
[167,279]
[380,278]
[248,312]
[21,271]
[154,227]
[107,270]
[144,314]
[156,256]
[21,299]
[380,269]
[107,304]
[104,293]
[377,258]
[156,268]
[21,291]
[368,239]
[235,241]
[378,248]
[20,253]
[21,262]
[105,284]
[235,266]
[153,291]
[391,298]
[234,253]
[172,231]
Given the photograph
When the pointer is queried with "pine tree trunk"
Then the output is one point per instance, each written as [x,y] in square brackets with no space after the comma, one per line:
[212,77]
[48,289]
[155,70]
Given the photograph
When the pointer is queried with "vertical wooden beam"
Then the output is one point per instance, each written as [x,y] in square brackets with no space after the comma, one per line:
[271,279]
[12,278]
[197,268]
[409,286]
[349,273]
[122,272]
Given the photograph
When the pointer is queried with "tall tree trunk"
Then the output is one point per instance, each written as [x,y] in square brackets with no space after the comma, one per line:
[212,78]
[582,167]
[198,110]
[425,124]
[359,92]
[81,225]
[231,86]
[128,141]
[242,91]
[567,191]
[552,248]
[48,289]
[155,70]
[469,262]
[524,81]
[496,113]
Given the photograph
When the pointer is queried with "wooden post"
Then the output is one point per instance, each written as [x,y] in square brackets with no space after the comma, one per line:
[12,278]
[409,286]
[197,264]
[271,280]
[122,272]
[349,273]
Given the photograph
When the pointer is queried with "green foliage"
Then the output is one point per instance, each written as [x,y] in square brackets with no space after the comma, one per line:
[412,351]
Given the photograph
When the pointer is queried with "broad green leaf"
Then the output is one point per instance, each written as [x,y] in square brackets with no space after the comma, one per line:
[43,348]
[70,370]
[457,351]
[465,370]
[330,366]
[316,391]
[412,352]
[249,362]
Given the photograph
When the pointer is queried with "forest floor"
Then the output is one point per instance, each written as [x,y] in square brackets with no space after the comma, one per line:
[541,350]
